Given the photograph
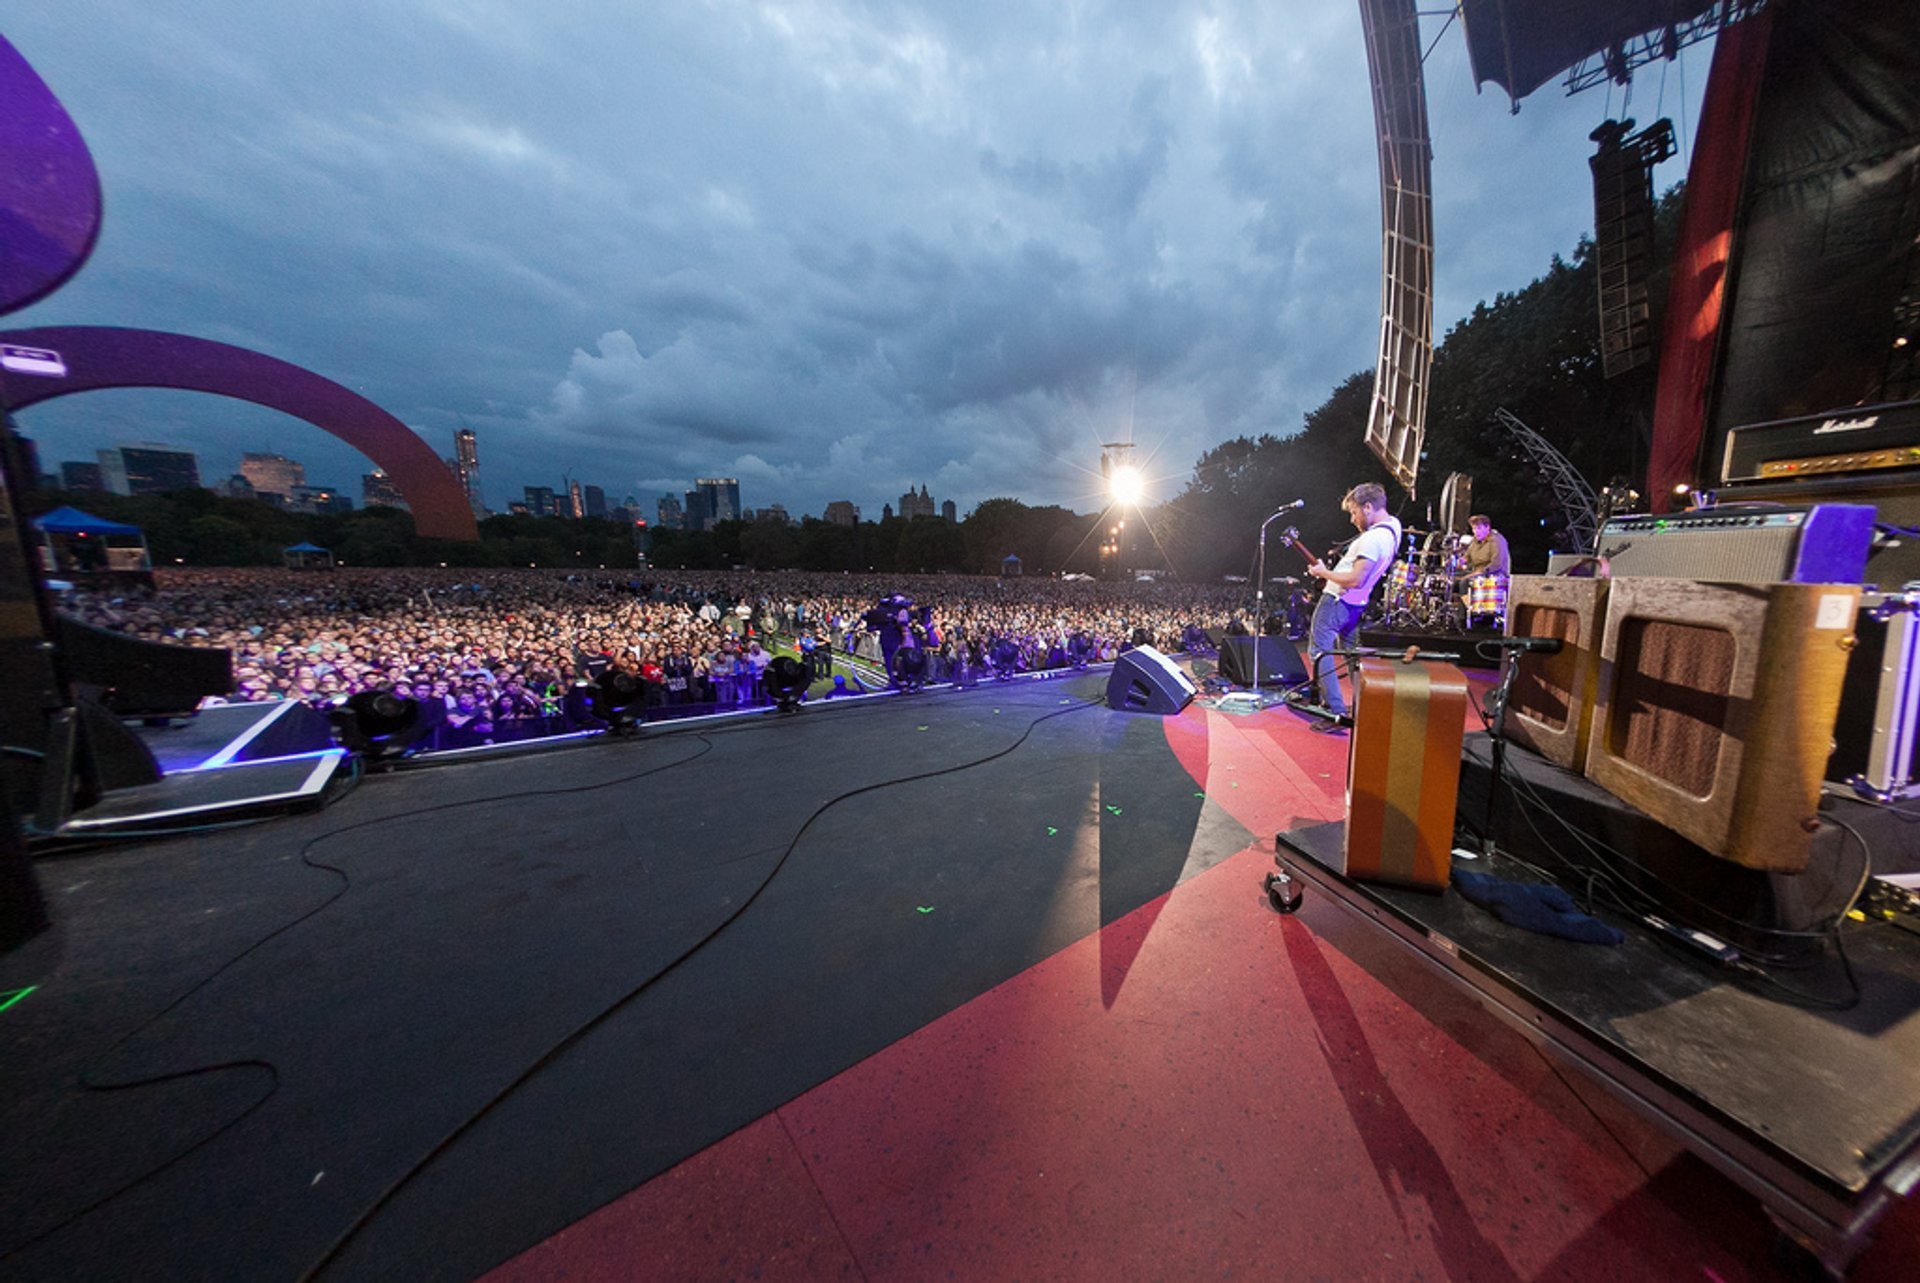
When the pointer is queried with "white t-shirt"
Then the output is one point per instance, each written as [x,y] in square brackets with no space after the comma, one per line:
[1377,544]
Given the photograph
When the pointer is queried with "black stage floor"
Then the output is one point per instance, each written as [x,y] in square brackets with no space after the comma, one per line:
[416,1032]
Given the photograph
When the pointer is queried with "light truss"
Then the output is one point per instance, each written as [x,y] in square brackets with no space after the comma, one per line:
[1571,494]
[1618,63]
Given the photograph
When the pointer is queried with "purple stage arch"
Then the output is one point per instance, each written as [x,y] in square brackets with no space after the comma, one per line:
[102,356]
[49,189]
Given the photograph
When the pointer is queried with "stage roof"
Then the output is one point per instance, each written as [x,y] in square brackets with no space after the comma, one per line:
[1521,44]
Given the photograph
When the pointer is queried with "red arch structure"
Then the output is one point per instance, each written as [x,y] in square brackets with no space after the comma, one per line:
[102,356]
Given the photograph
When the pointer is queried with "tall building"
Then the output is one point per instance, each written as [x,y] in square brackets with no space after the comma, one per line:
[273,474]
[593,501]
[27,460]
[466,466]
[148,468]
[378,491]
[576,506]
[540,501]
[672,515]
[841,512]
[699,510]
[774,512]
[917,505]
[75,475]
[949,512]
[723,495]
[321,499]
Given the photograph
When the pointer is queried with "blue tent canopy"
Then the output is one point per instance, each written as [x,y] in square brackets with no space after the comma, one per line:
[303,547]
[72,521]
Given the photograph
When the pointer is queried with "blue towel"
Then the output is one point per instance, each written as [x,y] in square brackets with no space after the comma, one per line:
[1535,907]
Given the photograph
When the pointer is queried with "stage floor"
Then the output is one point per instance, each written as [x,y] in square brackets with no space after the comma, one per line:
[979,983]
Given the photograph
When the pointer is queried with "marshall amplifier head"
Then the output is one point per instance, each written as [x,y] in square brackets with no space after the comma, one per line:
[1805,544]
[1860,438]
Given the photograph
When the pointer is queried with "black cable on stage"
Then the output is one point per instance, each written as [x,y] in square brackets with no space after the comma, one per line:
[346,883]
[1637,902]
[567,1041]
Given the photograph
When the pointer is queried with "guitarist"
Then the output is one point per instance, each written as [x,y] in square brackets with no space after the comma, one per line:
[1336,617]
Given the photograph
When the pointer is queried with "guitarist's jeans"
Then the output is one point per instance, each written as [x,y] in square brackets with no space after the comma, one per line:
[1336,625]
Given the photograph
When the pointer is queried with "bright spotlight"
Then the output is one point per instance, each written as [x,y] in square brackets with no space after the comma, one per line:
[1126,485]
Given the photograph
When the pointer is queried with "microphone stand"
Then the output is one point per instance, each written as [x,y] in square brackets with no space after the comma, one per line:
[1514,647]
[1260,598]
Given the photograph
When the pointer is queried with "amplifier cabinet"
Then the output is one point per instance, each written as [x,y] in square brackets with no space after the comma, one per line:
[1403,772]
[1874,737]
[1550,709]
[1803,544]
[1715,709]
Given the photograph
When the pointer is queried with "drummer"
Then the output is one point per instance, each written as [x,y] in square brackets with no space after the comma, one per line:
[1486,552]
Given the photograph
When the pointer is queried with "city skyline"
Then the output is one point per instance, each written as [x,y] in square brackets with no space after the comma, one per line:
[268,473]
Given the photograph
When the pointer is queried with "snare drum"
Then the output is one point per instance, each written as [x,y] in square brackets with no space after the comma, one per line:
[1486,595]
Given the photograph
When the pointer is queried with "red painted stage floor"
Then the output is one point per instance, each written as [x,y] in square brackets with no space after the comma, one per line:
[1201,1089]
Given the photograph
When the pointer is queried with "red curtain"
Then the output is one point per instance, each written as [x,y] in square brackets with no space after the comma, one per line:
[1696,294]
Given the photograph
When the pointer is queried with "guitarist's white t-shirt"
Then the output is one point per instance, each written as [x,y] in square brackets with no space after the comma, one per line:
[1377,544]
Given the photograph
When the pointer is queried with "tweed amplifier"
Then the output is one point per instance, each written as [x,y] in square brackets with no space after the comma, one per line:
[1861,438]
[1873,753]
[1759,544]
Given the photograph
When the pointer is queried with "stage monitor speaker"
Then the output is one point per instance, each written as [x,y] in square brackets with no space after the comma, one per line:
[1280,663]
[1551,708]
[1715,709]
[141,678]
[1145,681]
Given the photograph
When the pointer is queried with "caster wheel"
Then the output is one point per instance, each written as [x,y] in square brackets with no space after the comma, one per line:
[1283,893]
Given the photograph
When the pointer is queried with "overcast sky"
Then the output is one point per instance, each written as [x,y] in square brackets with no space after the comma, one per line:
[834,248]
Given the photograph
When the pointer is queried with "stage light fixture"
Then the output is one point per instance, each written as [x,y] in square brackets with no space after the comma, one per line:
[787,682]
[379,725]
[617,699]
[1126,486]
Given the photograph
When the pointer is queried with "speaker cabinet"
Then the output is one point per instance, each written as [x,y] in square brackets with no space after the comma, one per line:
[1145,681]
[1403,772]
[1551,708]
[1715,709]
[1279,661]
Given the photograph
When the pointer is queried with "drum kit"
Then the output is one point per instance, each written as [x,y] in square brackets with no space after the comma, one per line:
[1429,590]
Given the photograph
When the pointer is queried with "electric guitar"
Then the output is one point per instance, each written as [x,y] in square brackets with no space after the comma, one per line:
[1291,535]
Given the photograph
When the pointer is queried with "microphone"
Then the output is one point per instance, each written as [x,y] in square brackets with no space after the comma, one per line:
[1289,507]
[1532,645]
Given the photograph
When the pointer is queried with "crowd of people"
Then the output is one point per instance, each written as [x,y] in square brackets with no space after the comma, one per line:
[502,651]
